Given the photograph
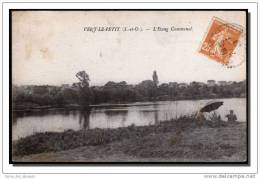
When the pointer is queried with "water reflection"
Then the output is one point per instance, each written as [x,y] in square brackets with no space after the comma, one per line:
[116,115]
[58,120]
[156,120]
[84,115]
[117,112]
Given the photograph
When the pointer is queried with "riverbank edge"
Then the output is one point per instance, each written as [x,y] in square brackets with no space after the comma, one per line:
[32,108]
[60,141]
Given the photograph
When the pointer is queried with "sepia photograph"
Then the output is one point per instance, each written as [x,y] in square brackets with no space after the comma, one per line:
[127,86]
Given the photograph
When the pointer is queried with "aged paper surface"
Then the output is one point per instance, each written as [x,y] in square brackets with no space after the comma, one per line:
[53,40]
[129,86]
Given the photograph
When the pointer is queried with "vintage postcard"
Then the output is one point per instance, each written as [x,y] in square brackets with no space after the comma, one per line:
[129,86]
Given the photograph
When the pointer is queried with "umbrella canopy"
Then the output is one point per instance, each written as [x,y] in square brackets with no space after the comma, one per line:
[211,106]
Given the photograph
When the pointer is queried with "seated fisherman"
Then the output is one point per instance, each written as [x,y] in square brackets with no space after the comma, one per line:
[200,116]
[231,116]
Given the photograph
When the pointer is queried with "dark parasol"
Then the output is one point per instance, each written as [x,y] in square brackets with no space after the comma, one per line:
[211,106]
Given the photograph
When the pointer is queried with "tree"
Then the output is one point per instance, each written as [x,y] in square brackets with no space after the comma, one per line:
[85,93]
[83,78]
[145,88]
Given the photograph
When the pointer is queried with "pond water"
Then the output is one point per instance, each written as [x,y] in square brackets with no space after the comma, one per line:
[113,116]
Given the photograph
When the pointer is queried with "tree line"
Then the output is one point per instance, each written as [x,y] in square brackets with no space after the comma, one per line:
[121,92]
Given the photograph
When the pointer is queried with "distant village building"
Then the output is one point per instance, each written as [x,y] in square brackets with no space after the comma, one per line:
[27,89]
[222,83]
[195,83]
[230,82]
[201,84]
[173,84]
[182,85]
[65,86]
[51,88]
[211,82]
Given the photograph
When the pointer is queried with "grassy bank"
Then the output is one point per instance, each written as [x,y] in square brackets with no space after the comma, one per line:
[178,140]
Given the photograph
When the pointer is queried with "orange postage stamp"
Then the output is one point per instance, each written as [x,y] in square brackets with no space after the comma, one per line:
[220,41]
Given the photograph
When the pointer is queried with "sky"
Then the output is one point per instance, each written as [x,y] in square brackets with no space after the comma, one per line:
[50,47]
